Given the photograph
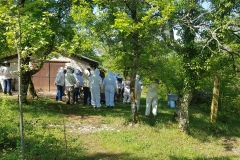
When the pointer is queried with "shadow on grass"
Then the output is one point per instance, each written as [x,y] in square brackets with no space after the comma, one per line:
[110,156]
[120,110]
[50,148]
[202,128]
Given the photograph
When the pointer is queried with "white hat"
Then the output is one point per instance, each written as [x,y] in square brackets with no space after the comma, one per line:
[87,72]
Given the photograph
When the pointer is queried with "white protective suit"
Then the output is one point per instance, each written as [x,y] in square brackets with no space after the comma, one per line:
[7,76]
[59,80]
[95,82]
[126,91]
[1,78]
[152,99]
[70,80]
[78,77]
[86,75]
[119,81]
[138,90]
[110,86]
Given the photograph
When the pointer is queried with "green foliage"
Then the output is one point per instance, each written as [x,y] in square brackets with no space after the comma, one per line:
[36,26]
[126,31]
[35,31]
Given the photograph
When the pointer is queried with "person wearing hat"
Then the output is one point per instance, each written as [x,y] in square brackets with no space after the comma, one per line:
[59,82]
[7,75]
[110,86]
[95,83]
[152,98]
[78,77]
[70,81]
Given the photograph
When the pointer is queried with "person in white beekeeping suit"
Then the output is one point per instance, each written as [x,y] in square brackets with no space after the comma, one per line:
[152,98]
[95,83]
[59,82]
[138,90]
[110,86]
[77,85]
[126,90]
[70,81]
[7,76]
[1,78]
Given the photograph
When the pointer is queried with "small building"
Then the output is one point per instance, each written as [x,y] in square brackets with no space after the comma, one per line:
[43,80]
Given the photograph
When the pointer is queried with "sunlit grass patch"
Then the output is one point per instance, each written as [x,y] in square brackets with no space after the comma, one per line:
[58,131]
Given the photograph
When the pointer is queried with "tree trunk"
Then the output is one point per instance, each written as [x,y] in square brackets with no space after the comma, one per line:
[134,68]
[31,89]
[190,52]
[215,98]
[26,77]
[133,100]
[181,112]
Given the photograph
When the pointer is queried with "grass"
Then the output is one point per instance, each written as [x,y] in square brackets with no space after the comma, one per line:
[58,131]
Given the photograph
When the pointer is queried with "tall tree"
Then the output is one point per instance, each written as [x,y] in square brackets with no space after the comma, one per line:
[43,26]
[188,21]
[129,32]
[224,34]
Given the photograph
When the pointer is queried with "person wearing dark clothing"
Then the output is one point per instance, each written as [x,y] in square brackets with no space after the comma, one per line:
[86,89]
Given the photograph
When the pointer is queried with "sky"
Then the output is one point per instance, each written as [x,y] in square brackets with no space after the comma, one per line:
[206,5]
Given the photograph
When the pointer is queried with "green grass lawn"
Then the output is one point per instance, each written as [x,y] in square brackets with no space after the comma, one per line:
[58,131]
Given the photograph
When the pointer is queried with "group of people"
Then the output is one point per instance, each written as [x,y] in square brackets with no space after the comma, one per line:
[72,81]
[69,82]
[6,76]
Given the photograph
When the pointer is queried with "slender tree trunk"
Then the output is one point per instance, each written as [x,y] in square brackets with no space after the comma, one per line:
[18,38]
[215,98]
[133,100]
